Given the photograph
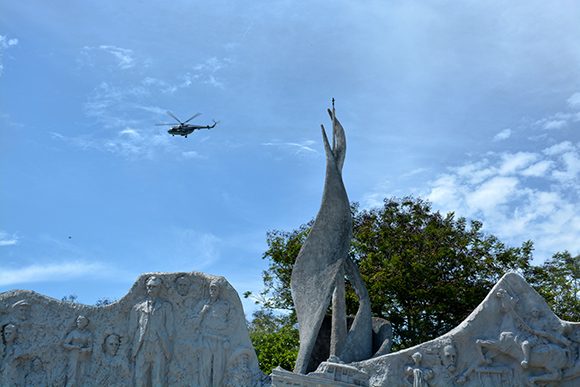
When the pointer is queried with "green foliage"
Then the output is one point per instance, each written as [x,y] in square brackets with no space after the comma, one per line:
[425,272]
[558,281]
[275,339]
[104,301]
[71,298]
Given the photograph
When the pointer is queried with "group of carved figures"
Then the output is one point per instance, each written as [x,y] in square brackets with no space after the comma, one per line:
[547,352]
[150,340]
[530,347]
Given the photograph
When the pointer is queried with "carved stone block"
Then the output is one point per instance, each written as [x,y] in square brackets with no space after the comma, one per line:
[171,329]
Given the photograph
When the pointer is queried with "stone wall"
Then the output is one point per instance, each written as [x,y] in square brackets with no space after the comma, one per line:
[185,329]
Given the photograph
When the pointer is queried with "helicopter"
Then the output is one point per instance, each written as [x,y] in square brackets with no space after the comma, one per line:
[183,129]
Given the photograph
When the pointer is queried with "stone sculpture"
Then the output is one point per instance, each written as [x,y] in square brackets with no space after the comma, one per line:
[153,336]
[79,344]
[322,264]
[214,322]
[419,375]
[512,338]
[8,367]
[152,324]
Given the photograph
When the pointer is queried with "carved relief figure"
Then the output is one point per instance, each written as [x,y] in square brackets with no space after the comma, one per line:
[79,344]
[21,310]
[240,374]
[37,374]
[152,325]
[111,345]
[420,375]
[113,370]
[449,357]
[186,365]
[214,320]
[550,357]
[182,285]
[8,367]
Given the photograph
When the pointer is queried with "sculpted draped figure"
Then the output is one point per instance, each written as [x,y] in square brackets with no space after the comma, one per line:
[214,324]
[322,265]
[152,324]
[79,344]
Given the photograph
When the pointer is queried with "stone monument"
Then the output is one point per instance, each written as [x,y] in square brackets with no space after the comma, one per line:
[171,329]
[511,339]
[322,265]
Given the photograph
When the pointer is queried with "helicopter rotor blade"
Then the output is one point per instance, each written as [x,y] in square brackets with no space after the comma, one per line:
[192,117]
[173,116]
[165,124]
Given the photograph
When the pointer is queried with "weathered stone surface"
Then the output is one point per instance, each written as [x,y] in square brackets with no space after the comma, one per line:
[172,329]
[322,264]
[511,339]
[328,373]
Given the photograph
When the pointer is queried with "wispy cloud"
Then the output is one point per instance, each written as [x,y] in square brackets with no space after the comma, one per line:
[295,147]
[7,239]
[52,272]
[5,43]
[503,135]
[192,155]
[564,119]
[124,57]
[207,71]
[129,143]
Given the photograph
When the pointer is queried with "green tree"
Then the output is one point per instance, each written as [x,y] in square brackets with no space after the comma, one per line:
[425,272]
[275,339]
[558,281]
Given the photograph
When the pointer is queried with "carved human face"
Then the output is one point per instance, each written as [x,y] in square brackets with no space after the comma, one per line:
[449,357]
[536,313]
[82,322]
[112,344]
[182,285]
[417,357]
[10,333]
[22,312]
[214,291]
[153,286]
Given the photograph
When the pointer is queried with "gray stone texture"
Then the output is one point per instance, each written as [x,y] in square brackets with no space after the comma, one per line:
[171,329]
[321,266]
[511,339]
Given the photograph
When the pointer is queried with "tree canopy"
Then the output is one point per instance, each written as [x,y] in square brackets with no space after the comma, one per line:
[425,271]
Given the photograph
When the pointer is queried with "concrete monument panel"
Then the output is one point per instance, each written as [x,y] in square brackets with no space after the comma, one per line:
[171,329]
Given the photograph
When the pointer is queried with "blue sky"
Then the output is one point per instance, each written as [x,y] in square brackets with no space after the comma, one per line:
[472,105]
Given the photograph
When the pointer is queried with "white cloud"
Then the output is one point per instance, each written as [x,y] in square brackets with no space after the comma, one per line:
[574,101]
[571,168]
[503,135]
[554,124]
[522,196]
[125,58]
[192,155]
[128,143]
[538,169]
[206,72]
[297,147]
[491,194]
[5,43]
[514,162]
[8,239]
[51,272]
[563,147]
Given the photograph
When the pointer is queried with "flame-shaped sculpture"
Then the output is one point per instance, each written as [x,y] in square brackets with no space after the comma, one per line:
[322,264]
